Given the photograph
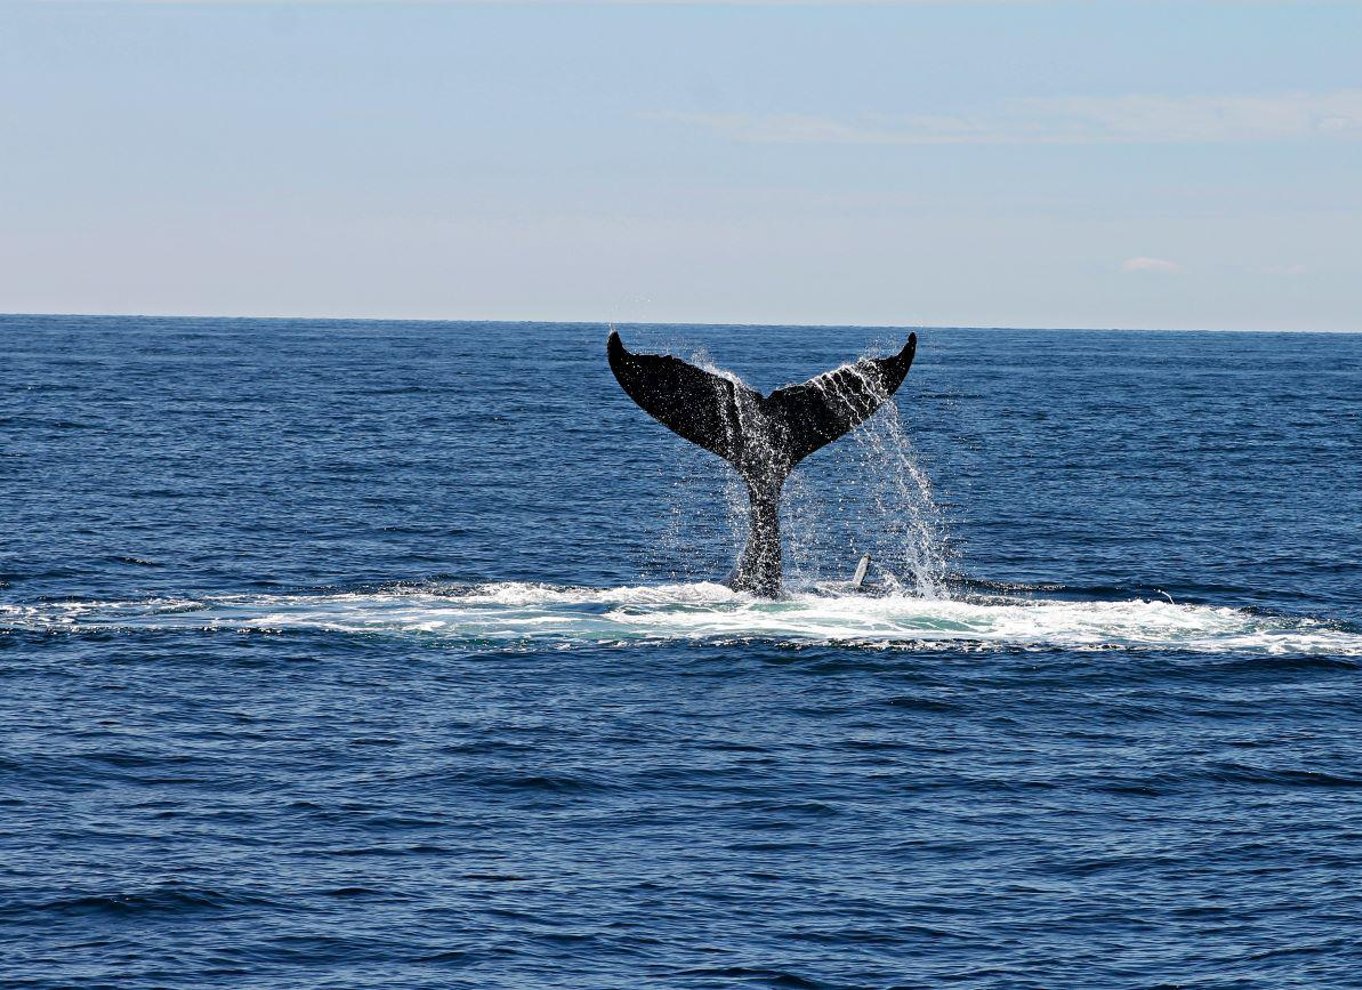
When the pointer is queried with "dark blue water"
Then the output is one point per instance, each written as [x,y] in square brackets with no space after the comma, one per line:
[358,654]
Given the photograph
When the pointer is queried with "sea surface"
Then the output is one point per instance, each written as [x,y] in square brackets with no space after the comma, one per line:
[392,654]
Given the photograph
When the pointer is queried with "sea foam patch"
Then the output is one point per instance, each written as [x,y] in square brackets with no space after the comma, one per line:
[502,614]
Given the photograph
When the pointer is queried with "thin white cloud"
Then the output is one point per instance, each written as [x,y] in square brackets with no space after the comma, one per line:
[627,3]
[644,3]
[1069,120]
[1285,271]
[575,3]
[1161,266]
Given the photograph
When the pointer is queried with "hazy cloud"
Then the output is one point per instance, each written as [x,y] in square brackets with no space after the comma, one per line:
[1069,120]
[606,3]
[559,3]
[1160,265]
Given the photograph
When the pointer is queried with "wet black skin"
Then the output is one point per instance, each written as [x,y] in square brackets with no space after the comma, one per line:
[763,437]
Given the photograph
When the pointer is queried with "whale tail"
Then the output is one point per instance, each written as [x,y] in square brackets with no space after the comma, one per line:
[763,437]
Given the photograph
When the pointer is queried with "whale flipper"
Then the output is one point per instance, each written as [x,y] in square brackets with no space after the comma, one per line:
[763,437]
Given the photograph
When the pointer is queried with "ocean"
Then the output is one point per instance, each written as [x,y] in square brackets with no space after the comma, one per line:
[392,654]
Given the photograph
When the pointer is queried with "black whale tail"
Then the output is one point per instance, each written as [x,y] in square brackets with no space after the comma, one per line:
[763,437]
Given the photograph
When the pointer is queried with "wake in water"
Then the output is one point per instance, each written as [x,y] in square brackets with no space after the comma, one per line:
[496,616]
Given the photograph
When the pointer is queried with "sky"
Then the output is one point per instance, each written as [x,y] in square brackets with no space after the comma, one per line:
[1108,163]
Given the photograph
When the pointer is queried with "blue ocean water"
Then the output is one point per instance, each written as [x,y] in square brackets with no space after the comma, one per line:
[366,654]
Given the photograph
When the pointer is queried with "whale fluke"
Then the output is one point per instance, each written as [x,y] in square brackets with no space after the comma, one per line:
[763,437]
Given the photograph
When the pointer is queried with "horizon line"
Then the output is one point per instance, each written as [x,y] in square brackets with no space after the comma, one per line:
[672,323]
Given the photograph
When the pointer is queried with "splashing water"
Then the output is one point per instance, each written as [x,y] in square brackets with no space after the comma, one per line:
[514,615]
[870,495]
[865,493]
[873,497]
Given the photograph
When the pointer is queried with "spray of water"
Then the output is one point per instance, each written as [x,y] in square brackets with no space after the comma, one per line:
[868,493]
[865,493]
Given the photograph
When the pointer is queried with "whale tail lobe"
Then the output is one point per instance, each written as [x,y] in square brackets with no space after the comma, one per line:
[763,437]
[757,434]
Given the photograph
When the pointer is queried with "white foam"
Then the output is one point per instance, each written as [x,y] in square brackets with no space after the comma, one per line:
[511,613]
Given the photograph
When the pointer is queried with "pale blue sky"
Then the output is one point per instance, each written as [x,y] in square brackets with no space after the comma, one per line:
[1087,164]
